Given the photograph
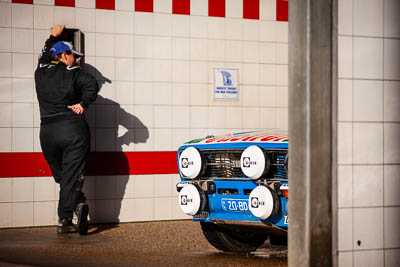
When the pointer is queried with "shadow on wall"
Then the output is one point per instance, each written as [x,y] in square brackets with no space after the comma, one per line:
[112,129]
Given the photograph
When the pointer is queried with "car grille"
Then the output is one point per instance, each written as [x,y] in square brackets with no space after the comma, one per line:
[226,164]
[223,164]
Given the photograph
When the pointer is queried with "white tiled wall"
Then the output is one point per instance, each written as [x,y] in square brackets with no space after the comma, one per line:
[121,198]
[368,133]
[156,71]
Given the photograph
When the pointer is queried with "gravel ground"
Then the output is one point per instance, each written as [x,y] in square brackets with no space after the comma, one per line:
[168,243]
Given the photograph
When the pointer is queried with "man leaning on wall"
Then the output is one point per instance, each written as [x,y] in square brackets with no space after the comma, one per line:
[64,93]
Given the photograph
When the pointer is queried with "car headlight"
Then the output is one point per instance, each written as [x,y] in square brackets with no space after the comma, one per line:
[192,199]
[254,163]
[190,163]
[263,202]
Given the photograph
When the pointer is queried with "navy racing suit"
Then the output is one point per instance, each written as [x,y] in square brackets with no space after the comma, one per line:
[64,135]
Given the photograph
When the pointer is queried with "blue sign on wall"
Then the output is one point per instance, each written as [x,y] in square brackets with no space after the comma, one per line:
[226,84]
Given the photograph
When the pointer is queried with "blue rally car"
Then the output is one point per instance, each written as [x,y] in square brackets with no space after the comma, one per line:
[236,186]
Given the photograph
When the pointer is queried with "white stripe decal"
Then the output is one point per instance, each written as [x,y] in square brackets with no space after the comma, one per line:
[71,68]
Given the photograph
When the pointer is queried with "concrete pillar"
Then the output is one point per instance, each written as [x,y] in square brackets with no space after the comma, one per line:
[312,132]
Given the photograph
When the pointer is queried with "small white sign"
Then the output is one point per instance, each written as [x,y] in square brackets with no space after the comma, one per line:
[226,84]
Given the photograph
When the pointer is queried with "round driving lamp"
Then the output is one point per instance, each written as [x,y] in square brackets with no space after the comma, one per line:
[191,163]
[254,162]
[263,202]
[192,199]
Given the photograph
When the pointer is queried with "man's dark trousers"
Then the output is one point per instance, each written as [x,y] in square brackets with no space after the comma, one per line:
[66,146]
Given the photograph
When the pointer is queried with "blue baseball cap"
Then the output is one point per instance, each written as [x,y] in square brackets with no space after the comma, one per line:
[62,46]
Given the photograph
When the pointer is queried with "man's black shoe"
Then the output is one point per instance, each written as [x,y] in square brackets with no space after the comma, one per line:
[82,211]
[65,226]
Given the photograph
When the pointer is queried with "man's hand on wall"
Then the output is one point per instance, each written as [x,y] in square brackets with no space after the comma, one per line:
[56,30]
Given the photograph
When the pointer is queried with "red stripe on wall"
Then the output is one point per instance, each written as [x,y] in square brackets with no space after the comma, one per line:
[282,10]
[105,4]
[251,9]
[16,164]
[216,8]
[70,3]
[23,1]
[100,163]
[181,7]
[144,5]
